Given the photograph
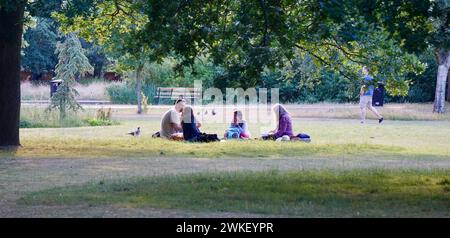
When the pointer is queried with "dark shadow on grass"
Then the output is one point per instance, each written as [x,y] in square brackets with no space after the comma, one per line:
[366,193]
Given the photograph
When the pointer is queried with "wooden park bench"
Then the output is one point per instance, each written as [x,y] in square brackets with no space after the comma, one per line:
[189,94]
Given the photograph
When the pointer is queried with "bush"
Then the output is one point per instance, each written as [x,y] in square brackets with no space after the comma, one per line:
[121,94]
[100,122]
[25,123]
[102,118]
[69,121]
[126,93]
[38,118]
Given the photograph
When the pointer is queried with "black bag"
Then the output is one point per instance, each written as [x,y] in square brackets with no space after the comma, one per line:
[203,137]
[156,135]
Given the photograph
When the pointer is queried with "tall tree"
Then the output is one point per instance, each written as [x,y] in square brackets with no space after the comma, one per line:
[11,27]
[40,55]
[72,64]
[96,56]
[116,25]
[12,14]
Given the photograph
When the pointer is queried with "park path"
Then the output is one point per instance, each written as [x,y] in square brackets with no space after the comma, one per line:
[18,176]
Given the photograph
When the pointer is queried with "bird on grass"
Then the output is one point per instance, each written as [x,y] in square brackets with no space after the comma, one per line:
[137,132]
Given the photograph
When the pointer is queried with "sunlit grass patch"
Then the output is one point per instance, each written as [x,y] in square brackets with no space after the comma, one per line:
[73,148]
[330,138]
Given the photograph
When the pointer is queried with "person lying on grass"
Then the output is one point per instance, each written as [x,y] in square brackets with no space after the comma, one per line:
[170,123]
[238,127]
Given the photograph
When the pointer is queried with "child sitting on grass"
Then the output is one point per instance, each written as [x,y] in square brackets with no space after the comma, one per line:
[238,127]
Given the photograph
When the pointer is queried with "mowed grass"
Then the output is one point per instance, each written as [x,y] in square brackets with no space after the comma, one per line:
[390,111]
[330,138]
[358,193]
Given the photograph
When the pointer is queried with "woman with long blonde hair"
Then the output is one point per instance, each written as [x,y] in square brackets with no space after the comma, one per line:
[283,122]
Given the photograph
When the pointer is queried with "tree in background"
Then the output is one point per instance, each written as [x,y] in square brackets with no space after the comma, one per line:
[39,55]
[96,56]
[249,37]
[115,25]
[72,64]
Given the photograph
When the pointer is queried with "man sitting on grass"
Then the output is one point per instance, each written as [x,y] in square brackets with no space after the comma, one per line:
[171,124]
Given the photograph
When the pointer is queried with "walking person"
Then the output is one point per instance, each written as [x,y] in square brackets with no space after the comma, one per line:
[366,94]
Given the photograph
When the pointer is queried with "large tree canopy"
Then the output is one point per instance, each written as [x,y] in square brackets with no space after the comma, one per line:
[245,37]
[249,36]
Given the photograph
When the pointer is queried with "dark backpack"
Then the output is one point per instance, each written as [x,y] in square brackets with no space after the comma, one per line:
[156,134]
[303,136]
[203,137]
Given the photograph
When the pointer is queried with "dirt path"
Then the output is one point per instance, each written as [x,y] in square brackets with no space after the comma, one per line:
[18,176]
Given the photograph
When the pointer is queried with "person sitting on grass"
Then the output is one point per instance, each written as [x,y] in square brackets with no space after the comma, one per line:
[170,123]
[190,125]
[238,127]
[283,122]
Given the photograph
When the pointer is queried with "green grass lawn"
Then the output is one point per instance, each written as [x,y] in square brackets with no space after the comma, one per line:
[330,138]
[343,192]
[359,193]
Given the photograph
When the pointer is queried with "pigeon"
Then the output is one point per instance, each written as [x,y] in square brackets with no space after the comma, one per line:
[135,133]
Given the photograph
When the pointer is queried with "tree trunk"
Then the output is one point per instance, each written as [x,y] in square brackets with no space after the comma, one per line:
[139,87]
[11,27]
[443,59]
[448,86]
[98,70]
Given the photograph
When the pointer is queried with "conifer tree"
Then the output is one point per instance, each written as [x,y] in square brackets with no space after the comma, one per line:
[72,64]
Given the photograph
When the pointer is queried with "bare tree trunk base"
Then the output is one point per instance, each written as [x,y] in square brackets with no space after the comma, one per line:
[443,59]
[11,149]
[11,27]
